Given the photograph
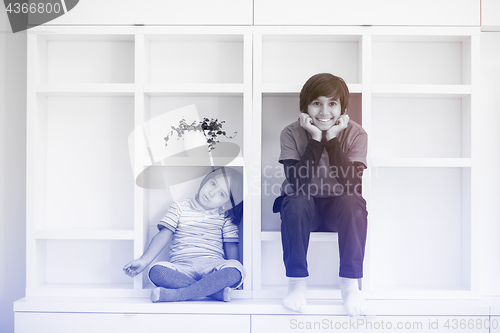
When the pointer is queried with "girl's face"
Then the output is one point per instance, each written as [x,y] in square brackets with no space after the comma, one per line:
[324,111]
[214,193]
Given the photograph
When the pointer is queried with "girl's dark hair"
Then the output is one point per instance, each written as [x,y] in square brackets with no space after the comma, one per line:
[235,180]
[324,84]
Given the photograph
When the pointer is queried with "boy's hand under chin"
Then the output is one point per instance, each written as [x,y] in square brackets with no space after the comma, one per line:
[339,126]
[306,122]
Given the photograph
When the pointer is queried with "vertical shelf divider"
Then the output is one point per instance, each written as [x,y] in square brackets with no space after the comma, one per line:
[366,110]
[473,239]
[257,161]
[32,162]
[140,224]
[248,156]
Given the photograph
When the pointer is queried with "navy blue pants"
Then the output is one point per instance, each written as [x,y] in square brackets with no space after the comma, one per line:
[345,214]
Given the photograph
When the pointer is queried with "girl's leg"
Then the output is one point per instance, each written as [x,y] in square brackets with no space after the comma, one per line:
[166,277]
[208,285]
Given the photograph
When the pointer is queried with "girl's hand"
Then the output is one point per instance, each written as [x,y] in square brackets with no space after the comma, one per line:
[135,267]
[339,126]
[306,122]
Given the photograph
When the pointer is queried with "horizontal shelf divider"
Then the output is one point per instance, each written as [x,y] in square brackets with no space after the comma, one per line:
[219,88]
[86,234]
[85,88]
[421,162]
[275,236]
[422,89]
[191,161]
[295,88]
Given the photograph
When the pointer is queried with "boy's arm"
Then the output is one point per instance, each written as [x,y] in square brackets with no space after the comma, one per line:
[231,250]
[349,172]
[299,173]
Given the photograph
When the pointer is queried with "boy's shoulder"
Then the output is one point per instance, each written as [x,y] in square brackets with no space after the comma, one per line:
[355,127]
[295,130]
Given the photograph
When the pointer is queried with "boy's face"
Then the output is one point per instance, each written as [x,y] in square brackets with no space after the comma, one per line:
[214,193]
[324,112]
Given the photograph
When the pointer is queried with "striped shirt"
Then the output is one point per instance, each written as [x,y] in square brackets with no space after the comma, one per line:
[197,232]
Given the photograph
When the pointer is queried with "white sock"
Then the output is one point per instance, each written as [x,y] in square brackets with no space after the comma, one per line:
[354,302]
[295,300]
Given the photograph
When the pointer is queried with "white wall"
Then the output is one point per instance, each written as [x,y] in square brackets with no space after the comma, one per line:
[12,170]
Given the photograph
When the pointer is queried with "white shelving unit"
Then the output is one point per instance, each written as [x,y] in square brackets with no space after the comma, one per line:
[92,89]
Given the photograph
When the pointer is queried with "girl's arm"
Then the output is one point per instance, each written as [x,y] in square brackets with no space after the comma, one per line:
[157,244]
[231,250]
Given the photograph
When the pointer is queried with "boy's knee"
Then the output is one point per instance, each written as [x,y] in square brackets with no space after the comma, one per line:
[297,204]
[354,204]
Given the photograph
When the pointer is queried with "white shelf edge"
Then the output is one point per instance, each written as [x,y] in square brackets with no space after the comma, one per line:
[275,236]
[89,290]
[218,88]
[85,88]
[422,89]
[192,162]
[277,88]
[85,234]
[421,162]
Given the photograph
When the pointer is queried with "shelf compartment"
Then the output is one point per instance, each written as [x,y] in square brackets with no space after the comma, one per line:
[420,127]
[323,274]
[310,54]
[162,112]
[83,166]
[79,264]
[420,229]
[431,60]
[85,234]
[85,59]
[194,59]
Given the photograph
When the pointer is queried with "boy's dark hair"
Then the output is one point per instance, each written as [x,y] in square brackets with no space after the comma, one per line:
[324,84]
[235,180]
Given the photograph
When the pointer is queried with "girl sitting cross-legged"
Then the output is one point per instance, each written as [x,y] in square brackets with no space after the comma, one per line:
[204,243]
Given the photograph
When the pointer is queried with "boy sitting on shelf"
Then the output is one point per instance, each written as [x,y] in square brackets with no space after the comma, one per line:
[324,155]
